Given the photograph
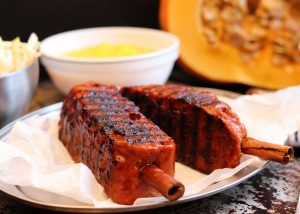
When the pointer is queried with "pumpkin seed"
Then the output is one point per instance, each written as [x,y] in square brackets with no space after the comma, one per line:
[251,25]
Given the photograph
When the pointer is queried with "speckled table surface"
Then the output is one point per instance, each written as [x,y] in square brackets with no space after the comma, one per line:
[274,190]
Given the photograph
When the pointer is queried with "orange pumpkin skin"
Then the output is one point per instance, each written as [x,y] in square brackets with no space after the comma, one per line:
[224,64]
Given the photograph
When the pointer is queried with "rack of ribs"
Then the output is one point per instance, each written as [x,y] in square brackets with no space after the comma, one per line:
[208,135]
[128,154]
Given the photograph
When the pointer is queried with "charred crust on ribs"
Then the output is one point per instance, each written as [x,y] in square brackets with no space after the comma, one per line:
[207,133]
[106,131]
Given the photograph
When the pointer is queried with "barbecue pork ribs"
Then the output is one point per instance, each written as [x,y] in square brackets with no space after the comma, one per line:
[106,131]
[207,133]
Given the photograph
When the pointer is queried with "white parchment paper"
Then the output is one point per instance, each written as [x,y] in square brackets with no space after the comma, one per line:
[33,157]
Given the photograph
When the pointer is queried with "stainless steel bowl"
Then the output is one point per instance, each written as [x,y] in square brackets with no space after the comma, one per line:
[16,92]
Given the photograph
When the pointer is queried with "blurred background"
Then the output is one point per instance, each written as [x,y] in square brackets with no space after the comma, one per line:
[48,17]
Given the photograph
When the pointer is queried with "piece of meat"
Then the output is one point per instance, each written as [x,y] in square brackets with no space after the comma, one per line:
[208,135]
[106,131]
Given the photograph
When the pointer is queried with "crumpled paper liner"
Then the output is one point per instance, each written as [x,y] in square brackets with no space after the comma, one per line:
[33,157]
[270,117]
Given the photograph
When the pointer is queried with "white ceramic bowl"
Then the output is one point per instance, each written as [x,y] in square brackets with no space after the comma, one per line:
[150,68]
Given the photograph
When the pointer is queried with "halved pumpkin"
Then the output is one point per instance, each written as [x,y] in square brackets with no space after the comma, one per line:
[221,59]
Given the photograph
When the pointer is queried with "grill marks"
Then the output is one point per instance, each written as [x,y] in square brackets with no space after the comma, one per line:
[116,114]
[195,121]
[168,106]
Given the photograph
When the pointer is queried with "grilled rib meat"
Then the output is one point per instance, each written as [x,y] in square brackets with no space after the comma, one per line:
[106,131]
[207,133]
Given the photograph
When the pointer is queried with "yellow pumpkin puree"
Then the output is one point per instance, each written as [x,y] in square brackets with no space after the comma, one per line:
[107,50]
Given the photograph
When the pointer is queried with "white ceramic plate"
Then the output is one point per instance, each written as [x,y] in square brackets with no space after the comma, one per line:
[59,203]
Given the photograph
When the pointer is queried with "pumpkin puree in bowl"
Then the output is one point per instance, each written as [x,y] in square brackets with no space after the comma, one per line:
[107,50]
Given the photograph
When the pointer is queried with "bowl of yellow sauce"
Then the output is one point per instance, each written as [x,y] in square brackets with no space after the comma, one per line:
[103,50]
[109,55]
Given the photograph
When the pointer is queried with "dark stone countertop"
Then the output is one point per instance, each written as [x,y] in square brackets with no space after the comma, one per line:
[273,190]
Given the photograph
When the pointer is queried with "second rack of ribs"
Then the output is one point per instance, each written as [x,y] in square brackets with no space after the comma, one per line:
[207,133]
